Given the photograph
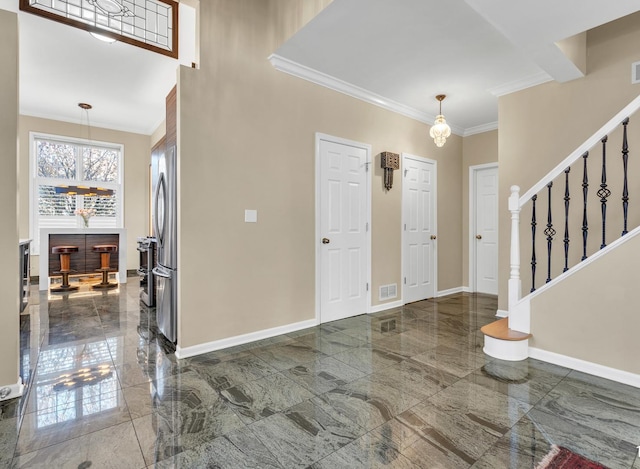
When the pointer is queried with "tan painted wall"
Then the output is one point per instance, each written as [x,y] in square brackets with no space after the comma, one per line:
[9,274]
[246,139]
[476,149]
[594,317]
[540,126]
[136,176]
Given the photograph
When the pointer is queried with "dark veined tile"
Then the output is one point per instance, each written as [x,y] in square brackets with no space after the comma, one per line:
[8,439]
[305,433]
[369,359]
[368,403]
[323,375]
[332,343]
[264,397]
[288,355]
[236,450]
[370,451]
[233,372]
[459,363]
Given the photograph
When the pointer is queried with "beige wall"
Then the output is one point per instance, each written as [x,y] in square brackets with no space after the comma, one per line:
[246,137]
[9,274]
[136,176]
[594,317]
[476,150]
[540,126]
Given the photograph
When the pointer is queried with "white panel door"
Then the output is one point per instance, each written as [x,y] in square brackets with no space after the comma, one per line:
[419,228]
[486,230]
[343,230]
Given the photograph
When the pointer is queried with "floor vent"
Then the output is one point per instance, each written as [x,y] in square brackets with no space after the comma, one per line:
[635,72]
[388,291]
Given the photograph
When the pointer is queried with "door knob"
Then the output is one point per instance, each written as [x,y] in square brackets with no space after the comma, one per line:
[325,241]
[478,236]
[433,236]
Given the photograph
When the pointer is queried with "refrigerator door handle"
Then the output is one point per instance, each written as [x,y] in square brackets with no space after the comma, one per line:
[161,273]
[159,186]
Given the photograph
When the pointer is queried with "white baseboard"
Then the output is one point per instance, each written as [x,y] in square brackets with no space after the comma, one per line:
[186,352]
[595,369]
[386,306]
[502,313]
[452,291]
[16,390]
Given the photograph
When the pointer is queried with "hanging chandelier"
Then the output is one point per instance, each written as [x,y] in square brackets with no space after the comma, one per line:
[440,131]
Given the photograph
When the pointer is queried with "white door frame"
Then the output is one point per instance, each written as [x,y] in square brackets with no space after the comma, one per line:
[473,281]
[435,222]
[318,237]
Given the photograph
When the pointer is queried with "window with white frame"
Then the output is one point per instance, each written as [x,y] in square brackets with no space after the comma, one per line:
[61,162]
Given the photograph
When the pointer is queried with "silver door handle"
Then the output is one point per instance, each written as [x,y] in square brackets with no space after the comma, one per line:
[159,273]
[326,240]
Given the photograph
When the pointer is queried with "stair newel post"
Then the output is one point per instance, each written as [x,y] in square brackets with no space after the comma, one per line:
[566,219]
[515,285]
[625,189]
[534,261]
[603,192]
[549,232]
[585,191]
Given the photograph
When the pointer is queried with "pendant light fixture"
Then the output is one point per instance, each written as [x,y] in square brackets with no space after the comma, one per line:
[440,131]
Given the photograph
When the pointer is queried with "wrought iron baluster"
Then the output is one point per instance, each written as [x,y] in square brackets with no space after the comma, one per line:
[533,244]
[585,190]
[566,219]
[625,189]
[603,192]
[550,233]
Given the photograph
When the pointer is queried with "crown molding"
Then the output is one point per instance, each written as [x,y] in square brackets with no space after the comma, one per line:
[306,73]
[478,129]
[519,85]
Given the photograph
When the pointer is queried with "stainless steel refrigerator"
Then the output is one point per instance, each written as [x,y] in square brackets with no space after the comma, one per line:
[164,218]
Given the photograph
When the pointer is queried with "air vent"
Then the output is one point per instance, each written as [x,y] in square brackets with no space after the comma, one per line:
[388,291]
[635,72]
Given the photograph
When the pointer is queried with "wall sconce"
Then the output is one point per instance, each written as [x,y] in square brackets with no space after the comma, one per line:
[390,161]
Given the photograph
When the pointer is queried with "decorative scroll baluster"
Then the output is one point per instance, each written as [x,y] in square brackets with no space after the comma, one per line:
[549,232]
[566,219]
[585,190]
[533,244]
[625,189]
[603,192]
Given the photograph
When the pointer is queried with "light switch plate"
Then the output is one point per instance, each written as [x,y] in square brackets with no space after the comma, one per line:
[251,216]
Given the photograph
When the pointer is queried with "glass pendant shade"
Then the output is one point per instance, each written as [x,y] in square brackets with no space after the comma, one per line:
[440,131]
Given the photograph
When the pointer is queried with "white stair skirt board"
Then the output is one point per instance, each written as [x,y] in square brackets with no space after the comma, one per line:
[591,368]
[510,350]
[186,352]
[16,390]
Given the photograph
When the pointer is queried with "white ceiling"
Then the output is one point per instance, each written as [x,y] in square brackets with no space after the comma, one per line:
[61,66]
[398,54]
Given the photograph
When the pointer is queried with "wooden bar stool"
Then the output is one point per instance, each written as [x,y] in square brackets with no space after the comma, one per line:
[65,267]
[105,251]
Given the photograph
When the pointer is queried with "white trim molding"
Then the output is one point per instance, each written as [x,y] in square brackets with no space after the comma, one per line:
[186,352]
[15,390]
[594,369]
[285,65]
[502,313]
[386,306]
[521,84]
[479,129]
[452,291]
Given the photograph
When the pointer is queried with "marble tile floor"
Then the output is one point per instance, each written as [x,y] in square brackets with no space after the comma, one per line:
[405,388]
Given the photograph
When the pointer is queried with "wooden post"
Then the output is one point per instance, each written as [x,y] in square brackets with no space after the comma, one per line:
[515,284]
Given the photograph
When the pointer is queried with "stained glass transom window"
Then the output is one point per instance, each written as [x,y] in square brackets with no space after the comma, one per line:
[151,24]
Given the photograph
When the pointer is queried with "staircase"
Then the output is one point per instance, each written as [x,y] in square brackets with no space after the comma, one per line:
[590,213]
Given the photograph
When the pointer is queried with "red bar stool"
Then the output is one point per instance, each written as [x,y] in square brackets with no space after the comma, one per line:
[65,267]
[105,251]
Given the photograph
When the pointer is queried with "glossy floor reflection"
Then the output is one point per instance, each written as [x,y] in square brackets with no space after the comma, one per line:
[406,388]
